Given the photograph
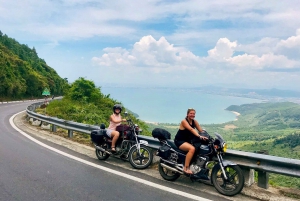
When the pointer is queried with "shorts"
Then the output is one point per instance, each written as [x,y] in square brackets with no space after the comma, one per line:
[178,143]
[108,132]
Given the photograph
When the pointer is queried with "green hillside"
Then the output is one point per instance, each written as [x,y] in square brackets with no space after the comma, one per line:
[23,74]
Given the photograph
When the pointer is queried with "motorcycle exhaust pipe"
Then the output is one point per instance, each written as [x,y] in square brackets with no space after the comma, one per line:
[170,168]
[103,150]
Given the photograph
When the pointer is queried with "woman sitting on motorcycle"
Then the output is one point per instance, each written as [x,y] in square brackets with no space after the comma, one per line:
[114,120]
[184,136]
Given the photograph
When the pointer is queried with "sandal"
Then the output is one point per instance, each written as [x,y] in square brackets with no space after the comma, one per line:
[113,149]
[188,171]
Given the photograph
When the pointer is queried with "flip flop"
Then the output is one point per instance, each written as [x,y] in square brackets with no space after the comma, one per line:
[188,172]
[113,150]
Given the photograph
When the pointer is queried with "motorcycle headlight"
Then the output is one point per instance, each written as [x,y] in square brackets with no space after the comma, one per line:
[224,147]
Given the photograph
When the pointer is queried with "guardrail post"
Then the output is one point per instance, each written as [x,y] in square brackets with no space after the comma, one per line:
[70,133]
[248,175]
[53,128]
[263,177]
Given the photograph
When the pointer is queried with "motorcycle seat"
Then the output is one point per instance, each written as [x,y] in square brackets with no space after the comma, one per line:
[172,144]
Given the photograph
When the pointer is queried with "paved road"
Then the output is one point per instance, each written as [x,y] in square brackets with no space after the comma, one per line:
[34,170]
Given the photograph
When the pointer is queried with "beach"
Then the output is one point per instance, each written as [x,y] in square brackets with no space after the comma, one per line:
[236,115]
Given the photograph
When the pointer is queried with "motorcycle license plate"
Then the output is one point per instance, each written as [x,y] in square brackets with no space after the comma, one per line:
[144,142]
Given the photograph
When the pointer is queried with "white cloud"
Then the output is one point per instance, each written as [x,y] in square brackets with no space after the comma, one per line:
[265,62]
[67,20]
[263,46]
[159,55]
[224,49]
[166,41]
[290,46]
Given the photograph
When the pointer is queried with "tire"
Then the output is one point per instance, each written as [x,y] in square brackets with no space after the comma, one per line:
[140,161]
[101,155]
[233,185]
[167,174]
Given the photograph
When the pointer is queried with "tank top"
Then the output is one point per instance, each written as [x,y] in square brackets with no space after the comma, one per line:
[113,125]
[185,135]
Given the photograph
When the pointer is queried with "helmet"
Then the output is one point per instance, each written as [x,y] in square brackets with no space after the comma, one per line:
[117,106]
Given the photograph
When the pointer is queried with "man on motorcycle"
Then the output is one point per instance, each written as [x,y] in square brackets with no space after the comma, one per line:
[184,136]
[114,120]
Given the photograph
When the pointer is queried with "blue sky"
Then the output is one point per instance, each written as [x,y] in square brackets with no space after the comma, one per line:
[249,43]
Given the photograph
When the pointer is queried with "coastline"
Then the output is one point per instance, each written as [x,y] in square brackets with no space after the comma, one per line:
[151,122]
[236,115]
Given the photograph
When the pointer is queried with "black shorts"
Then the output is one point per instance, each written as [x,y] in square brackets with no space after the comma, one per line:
[178,143]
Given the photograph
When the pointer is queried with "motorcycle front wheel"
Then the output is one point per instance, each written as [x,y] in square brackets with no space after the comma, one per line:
[234,182]
[101,155]
[167,174]
[140,159]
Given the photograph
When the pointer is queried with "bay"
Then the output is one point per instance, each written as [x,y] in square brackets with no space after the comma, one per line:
[169,105]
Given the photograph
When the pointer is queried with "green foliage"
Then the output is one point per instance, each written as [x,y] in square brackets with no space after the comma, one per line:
[84,103]
[23,74]
[284,181]
[291,141]
[84,91]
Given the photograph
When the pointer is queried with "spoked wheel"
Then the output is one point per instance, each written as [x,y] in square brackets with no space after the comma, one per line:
[140,159]
[234,182]
[101,155]
[167,174]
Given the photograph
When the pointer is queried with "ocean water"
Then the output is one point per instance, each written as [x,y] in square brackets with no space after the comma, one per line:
[169,105]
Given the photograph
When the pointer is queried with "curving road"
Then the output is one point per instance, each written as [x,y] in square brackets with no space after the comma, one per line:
[32,169]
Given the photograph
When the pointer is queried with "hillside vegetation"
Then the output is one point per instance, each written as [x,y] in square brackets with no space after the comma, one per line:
[84,103]
[23,74]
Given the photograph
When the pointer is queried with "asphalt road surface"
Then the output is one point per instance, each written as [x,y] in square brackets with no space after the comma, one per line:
[31,169]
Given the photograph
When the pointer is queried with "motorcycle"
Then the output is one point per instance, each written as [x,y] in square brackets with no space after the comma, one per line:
[207,164]
[128,147]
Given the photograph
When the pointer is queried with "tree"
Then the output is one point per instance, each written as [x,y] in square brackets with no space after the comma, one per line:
[84,90]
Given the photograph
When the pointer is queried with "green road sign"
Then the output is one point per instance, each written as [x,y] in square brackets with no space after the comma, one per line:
[46,92]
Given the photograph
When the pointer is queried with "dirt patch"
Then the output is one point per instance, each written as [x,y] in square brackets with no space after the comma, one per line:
[229,126]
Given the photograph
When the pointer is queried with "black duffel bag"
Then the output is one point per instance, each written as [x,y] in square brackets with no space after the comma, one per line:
[161,134]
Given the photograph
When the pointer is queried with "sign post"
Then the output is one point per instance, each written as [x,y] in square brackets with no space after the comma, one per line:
[46,93]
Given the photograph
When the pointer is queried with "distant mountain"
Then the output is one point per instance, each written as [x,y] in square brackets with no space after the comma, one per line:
[252,92]
[23,74]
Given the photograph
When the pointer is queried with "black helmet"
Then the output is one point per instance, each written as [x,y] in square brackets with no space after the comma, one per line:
[117,106]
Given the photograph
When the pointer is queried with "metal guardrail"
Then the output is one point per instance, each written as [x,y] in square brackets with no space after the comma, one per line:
[264,164]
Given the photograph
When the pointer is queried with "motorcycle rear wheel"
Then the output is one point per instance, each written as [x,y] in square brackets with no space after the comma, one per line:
[233,185]
[142,160]
[167,174]
[101,155]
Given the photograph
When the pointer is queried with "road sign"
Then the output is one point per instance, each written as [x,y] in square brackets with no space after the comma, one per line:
[46,92]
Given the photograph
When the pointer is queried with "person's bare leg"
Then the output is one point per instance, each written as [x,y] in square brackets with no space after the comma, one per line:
[115,137]
[191,150]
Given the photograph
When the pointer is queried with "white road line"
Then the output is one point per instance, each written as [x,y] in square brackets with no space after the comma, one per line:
[154,185]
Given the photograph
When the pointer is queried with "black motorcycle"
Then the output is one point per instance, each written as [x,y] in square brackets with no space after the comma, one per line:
[207,164]
[128,146]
